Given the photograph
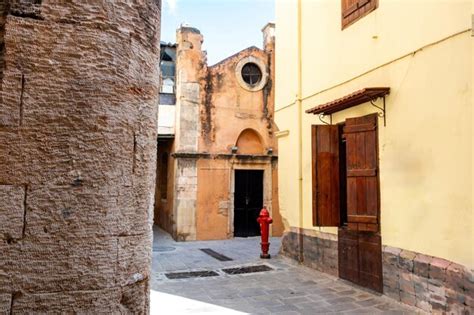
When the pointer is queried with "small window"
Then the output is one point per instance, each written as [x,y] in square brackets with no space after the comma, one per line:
[251,74]
[353,10]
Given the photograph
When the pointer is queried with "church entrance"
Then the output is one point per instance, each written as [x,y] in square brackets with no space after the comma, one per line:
[248,201]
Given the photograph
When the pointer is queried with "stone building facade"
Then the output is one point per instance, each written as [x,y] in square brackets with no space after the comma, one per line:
[218,166]
[78,91]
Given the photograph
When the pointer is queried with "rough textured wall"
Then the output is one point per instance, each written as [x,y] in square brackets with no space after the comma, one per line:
[77,154]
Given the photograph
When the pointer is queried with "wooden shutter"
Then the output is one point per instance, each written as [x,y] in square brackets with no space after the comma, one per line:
[325,175]
[352,10]
[363,202]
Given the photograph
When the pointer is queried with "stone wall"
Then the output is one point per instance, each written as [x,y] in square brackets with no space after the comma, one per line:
[429,283]
[319,250]
[78,96]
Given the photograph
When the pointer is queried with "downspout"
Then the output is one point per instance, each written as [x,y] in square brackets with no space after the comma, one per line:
[300,135]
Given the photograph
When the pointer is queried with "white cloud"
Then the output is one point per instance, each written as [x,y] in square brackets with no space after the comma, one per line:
[171,4]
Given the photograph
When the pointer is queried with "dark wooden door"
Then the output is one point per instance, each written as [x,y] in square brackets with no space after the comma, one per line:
[248,201]
[360,246]
[360,258]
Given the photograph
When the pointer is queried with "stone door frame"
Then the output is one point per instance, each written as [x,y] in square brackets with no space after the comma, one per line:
[266,167]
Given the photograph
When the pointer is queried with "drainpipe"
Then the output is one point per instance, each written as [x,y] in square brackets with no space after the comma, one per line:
[300,134]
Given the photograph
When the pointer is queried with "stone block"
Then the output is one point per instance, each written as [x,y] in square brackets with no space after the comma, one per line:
[455,297]
[190,90]
[438,268]
[407,298]
[107,301]
[12,211]
[424,305]
[405,260]
[458,309]
[421,265]
[456,276]
[135,298]
[421,288]
[81,211]
[469,282]
[438,307]
[11,94]
[59,264]
[89,158]
[395,251]
[5,303]
[391,273]
[134,259]
[392,292]
[436,286]
[469,301]
[6,283]
[407,284]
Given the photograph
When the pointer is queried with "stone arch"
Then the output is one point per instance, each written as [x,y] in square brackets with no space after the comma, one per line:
[250,142]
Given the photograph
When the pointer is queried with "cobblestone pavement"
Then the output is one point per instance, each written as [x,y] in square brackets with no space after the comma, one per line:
[287,289]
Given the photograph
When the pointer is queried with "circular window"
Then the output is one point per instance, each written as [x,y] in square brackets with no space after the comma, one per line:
[251,74]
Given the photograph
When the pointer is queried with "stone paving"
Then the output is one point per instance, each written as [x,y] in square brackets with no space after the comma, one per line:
[287,289]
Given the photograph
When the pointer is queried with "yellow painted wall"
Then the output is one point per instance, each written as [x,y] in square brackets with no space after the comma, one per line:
[423,51]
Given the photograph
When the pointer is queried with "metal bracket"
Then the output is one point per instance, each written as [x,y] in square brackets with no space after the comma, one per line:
[321,117]
[382,114]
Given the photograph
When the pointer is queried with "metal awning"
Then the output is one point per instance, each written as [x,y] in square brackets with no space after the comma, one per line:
[350,100]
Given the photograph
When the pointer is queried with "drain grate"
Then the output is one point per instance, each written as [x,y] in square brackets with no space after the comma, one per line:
[248,269]
[215,254]
[191,274]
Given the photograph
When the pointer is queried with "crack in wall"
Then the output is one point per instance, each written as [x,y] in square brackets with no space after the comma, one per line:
[21,98]
[25,205]
[134,154]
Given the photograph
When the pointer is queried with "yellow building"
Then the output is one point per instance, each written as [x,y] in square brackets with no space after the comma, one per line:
[374,107]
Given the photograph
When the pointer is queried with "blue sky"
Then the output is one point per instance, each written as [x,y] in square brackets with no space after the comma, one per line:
[228,26]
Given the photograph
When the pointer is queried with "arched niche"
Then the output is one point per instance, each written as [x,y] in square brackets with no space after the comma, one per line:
[249,142]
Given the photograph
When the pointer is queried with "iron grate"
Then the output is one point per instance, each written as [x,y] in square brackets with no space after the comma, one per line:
[248,269]
[191,274]
[215,254]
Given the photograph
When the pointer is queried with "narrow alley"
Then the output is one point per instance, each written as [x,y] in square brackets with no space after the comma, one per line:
[281,286]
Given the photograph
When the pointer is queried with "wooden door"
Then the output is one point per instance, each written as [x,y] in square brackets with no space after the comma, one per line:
[248,201]
[360,247]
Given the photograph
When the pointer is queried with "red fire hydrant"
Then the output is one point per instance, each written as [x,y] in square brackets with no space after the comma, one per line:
[264,220]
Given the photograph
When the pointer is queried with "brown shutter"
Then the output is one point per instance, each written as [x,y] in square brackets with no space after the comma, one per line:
[363,201]
[352,10]
[325,175]
[349,7]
